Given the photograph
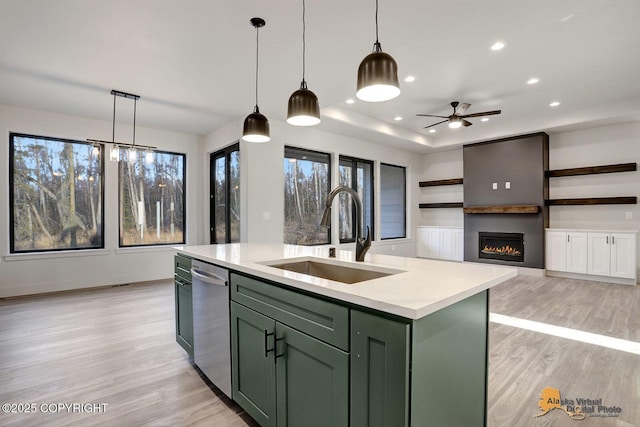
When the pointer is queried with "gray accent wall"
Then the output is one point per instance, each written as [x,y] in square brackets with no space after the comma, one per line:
[521,161]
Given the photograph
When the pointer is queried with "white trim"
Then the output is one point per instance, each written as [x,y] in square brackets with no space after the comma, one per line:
[30,256]
[606,279]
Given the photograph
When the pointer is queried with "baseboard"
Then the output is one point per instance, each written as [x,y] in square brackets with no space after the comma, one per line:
[605,279]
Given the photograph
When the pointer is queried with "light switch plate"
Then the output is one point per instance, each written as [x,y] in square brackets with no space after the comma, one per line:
[507,185]
[266,215]
[495,185]
[629,215]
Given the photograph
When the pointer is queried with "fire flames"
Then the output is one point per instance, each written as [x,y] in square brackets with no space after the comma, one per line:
[502,250]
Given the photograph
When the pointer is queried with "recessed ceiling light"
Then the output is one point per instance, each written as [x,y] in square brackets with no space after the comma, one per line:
[554,104]
[350,101]
[484,119]
[409,79]
[397,118]
[533,80]
[432,131]
[566,18]
[497,45]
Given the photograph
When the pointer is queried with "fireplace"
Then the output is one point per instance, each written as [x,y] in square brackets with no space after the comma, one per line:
[501,246]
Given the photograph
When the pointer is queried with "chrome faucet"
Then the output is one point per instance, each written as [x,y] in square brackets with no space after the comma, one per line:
[362,243]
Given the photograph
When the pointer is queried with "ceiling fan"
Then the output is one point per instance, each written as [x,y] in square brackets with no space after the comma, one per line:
[458,118]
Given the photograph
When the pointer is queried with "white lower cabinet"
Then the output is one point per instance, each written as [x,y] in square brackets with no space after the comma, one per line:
[440,243]
[597,253]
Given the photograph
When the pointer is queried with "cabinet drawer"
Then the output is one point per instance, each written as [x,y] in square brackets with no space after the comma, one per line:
[182,267]
[321,319]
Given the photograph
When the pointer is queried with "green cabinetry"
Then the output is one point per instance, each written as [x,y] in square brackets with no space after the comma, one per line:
[183,302]
[283,374]
[426,372]
[379,371]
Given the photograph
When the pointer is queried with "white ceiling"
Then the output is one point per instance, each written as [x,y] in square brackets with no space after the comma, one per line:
[192,62]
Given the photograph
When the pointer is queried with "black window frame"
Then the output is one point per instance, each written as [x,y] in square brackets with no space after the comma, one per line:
[226,153]
[123,158]
[353,163]
[12,250]
[304,154]
[404,201]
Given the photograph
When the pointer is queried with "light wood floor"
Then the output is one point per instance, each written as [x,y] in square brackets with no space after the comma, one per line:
[116,346]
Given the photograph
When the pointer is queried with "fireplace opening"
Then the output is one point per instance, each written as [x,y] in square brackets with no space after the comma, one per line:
[501,246]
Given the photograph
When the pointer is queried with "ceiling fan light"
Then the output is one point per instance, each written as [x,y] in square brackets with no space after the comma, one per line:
[378,77]
[303,108]
[256,127]
[455,122]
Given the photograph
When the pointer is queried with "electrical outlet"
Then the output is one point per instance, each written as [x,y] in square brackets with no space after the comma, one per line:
[507,185]
[629,215]
[495,185]
[266,215]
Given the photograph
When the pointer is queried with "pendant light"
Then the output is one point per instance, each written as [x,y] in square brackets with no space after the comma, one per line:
[132,148]
[303,108]
[256,126]
[378,74]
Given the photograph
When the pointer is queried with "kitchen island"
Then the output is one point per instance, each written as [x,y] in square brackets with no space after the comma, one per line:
[408,347]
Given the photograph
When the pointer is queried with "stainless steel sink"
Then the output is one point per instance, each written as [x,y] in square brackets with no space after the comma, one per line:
[332,270]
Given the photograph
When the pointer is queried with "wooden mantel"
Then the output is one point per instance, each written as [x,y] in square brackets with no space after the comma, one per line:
[507,209]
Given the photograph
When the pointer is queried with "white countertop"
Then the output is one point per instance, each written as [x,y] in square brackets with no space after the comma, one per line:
[423,287]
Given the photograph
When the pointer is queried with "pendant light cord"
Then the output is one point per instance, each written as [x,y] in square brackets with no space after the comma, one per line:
[304,44]
[257,59]
[135,103]
[113,123]
[376,45]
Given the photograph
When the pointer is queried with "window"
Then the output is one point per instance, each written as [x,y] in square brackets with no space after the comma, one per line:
[225,195]
[357,174]
[56,194]
[393,216]
[151,198]
[306,186]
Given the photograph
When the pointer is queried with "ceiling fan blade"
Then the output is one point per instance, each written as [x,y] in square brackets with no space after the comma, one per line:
[466,123]
[486,113]
[431,115]
[462,108]
[435,124]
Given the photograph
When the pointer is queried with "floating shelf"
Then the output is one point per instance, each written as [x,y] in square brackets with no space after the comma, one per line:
[452,181]
[593,201]
[441,205]
[509,209]
[592,170]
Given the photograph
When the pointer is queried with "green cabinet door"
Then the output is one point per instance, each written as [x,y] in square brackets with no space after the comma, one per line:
[312,381]
[184,314]
[379,371]
[253,365]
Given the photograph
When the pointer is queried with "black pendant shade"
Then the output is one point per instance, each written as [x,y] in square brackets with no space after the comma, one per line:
[303,108]
[256,127]
[377,74]
[378,77]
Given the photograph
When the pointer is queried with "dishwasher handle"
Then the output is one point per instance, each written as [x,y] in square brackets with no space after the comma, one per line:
[207,277]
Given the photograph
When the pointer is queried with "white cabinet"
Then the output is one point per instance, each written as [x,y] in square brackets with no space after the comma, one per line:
[440,243]
[566,251]
[592,252]
[612,254]
[577,252]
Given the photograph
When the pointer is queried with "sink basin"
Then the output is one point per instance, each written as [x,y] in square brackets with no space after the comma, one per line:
[332,270]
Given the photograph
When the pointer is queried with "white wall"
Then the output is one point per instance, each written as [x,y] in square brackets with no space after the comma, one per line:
[22,274]
[262,178]
[593,147]
[442,165]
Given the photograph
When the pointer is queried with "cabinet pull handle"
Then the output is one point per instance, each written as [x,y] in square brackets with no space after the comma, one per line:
[266,345]
[613,240]
[568,237]
[276,348]
[607,240]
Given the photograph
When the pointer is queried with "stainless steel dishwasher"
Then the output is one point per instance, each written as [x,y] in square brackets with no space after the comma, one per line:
[211,330]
